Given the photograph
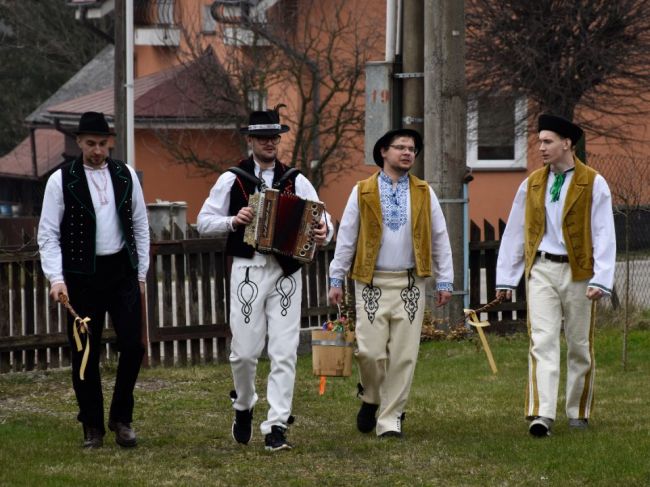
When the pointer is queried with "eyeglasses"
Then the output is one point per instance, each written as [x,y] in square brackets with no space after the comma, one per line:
[274,139]
[403,148]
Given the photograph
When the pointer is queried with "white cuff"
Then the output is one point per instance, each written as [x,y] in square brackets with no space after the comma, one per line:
[231,225]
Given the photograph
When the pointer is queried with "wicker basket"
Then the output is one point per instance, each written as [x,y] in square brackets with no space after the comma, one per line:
[332,353]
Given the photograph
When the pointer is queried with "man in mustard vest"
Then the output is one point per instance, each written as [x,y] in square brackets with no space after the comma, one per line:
[560,234]
[391,238]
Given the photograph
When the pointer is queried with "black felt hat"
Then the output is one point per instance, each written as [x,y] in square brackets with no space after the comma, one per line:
[385,140]
[93,123]
[560,126]
[264,124]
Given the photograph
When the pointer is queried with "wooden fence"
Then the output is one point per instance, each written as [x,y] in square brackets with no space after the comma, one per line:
[187,303]
[508,316]
[187,306]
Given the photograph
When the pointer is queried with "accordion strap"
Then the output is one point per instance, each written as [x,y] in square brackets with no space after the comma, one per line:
[238,171]
[258,182]
[278,184]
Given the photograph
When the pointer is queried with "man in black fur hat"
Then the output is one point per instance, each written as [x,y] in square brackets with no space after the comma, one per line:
[93,237]
[265,289]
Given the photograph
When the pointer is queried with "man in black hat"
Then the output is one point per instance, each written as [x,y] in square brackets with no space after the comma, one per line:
[93,237]
[560,235]
[265,289]
[391,238]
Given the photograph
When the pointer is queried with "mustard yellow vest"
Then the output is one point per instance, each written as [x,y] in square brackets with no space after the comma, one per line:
[371,224]
[576,219]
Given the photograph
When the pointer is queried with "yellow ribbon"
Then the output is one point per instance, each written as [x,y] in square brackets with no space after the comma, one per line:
[80,325]
[473,320]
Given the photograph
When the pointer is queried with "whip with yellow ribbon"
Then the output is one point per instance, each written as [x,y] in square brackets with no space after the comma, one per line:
[471,317]
[80,326]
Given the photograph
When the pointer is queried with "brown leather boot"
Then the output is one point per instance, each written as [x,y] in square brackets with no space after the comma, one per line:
[124,434]
[93,437]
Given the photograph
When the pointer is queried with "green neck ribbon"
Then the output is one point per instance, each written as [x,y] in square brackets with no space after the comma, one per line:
[557,186]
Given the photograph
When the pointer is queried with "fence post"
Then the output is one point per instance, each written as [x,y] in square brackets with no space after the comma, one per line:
[490,267]
[474,266]
[5,362]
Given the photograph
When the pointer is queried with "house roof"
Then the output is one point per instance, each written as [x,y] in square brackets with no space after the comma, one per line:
[50,145]
[95,75]
[183,92]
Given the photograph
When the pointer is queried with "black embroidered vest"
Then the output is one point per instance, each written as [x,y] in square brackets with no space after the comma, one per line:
[78,226]
[239,193]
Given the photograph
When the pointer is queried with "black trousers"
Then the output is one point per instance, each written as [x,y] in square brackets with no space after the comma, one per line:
[113,288]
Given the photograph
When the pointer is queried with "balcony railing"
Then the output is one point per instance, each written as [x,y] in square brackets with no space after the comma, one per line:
[156,13]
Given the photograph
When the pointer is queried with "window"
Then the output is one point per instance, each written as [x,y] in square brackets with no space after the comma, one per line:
[208,24]
[496,133]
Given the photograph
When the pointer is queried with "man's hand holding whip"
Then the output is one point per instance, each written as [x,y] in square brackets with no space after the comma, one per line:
[59,292]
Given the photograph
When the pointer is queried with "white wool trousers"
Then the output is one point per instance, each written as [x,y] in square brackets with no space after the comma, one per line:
[554,298]
[389,314]
[264,302]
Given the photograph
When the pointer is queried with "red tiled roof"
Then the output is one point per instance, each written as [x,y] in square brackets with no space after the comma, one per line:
[50,145]
[178,92]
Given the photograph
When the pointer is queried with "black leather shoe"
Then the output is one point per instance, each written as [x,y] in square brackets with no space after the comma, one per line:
[242,427]
[276,440]
[366,420]
[93,437]
[124,434]
[540,427]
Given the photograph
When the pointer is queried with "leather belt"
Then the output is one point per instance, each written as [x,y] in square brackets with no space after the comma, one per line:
[553,257]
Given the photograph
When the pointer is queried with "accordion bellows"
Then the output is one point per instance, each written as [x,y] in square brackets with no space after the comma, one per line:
[283,223]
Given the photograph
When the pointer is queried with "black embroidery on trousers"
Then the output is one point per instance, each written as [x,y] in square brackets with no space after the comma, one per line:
[410,295]
[246,294]
[371,295]
[286,287]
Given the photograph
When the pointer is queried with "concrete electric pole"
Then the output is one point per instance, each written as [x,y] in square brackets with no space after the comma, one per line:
[412,72]
[445,125]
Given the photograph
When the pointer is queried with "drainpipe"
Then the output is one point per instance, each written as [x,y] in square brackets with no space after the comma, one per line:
[32,143]
[466,181]
[130,146]
[398,28]
[391,29]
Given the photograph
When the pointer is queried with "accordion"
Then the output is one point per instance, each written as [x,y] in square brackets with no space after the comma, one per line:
[283,223]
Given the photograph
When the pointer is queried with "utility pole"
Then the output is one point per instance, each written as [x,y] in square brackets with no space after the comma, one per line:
[119,82]
[412,73]
[445,125]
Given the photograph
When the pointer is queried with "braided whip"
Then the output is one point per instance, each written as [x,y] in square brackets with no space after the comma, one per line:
[80,326]
[471,316]
[482,309]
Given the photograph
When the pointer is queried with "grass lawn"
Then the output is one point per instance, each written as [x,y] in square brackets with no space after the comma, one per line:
[464,427]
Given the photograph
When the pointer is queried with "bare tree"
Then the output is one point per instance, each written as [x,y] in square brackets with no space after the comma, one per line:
[41,46]
[313,51]
[562,55]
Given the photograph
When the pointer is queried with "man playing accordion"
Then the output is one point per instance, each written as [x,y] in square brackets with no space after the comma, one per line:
[265,289]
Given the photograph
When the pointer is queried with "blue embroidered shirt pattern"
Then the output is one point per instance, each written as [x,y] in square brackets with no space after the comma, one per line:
[394,201]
